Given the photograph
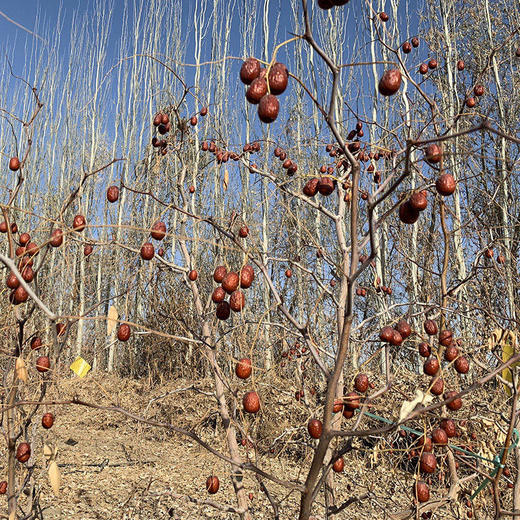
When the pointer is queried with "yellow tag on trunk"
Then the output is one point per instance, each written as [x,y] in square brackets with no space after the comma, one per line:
[21,369]
[80,367]
[111,320]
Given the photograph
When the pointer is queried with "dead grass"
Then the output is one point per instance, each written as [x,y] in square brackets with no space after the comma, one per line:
[120,469]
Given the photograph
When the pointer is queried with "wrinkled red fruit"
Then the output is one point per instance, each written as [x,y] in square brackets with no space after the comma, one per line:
[124,332]
[43,364]
[439,436]
[451,353]
[112,193]
[311,187]
[47,420]
[56,238]
[36,343]
[230,282]
[147,251]
[390,82]
[433,153]
[445,184]
[237,301]
[397,339]
[247,276]
[462,365]
[425,443]
[428,462]
[430,327]
[448,425]
[418,201]
[28,274]
[158,230]
[61,328]
[479,90]
[403,327]
[315,428]
[256,91]
[456,404]
[218,295]
[421,491]
[438,386]
[12,281]
[219,273]
[326,186]
[79,223]
[278,78]
[212,484]
[14,164]
[250,70]
[325,4]
[243,368]
[23,452]
[446,338]
[268,108]
[407,214]
[251,402]
[386,334]
[361,383]
[223,310]
[424,349]
[339,465]
[352,401]
[19,295]
[431,366]
[32,249]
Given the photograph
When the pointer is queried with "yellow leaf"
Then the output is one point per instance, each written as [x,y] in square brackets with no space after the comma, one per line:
[21,369]
[225,183]
[507,339]
[55,477]
[80,367]
[111,319]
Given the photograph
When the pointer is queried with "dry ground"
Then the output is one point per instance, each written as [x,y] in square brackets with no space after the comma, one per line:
[118,468]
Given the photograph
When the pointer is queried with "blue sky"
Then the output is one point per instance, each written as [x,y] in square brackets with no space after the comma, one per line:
[15,42]
[27,12]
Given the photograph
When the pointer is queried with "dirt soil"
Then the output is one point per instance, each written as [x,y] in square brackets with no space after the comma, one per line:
[114,467]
